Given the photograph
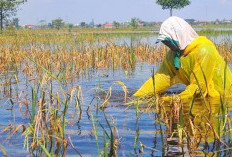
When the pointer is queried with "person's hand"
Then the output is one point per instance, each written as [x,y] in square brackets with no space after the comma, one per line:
[166,98]
[169,98]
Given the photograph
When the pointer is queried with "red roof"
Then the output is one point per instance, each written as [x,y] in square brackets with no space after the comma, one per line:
[108,25]
[30,25]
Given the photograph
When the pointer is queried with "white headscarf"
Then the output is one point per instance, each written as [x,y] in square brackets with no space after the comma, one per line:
[179,30]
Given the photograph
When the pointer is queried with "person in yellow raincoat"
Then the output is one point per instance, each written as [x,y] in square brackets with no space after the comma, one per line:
[192,60]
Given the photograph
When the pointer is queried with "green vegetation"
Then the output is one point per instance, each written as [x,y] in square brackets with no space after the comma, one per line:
[134,23]
[170,4]
[8,8]
[58,23]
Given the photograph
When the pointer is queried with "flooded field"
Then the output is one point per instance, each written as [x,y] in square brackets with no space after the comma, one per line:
[80,129]
[73,97]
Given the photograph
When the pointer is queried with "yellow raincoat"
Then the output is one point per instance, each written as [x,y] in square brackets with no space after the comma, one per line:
[202,70]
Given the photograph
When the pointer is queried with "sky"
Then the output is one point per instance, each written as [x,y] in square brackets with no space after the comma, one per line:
[102,11]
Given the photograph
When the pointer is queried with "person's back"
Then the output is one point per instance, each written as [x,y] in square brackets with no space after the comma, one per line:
[193,60]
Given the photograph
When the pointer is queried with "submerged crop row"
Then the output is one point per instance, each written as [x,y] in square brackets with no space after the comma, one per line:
[71,55]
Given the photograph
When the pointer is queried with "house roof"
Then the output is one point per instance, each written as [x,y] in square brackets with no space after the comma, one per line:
[108,24]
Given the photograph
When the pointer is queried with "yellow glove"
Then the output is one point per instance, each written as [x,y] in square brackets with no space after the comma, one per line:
[170,98]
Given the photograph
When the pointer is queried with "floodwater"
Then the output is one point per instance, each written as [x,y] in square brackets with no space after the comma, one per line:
[80,132]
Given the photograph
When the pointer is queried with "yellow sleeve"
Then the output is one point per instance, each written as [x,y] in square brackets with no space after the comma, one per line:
[162,79]
[201,78]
